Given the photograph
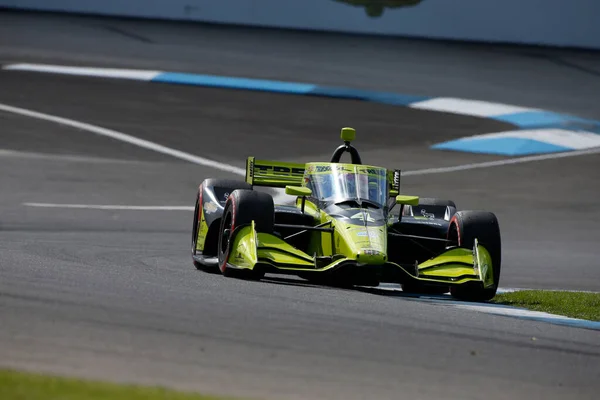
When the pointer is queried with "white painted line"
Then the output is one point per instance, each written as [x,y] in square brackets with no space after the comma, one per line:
[500,163]
[65,157]
[576,140]
[135,74]
[496,309]
[394,287]
[279,196]
[509,290]
[522,313]
[111,207]
[469,107]
[126,138]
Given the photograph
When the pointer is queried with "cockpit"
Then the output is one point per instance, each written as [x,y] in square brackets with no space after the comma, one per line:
[337,183]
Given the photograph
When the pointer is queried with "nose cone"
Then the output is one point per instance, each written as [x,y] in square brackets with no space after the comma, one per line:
[371,257]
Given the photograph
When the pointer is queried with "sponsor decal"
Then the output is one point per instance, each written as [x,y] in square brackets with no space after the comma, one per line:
[369,234]
[288,210]
[251,168]
[210,207]
[361,216]
[323,168]
[430,223]
[320,169]
[396,180]
[278,170]
[372,171]
[328,168]
[426,214]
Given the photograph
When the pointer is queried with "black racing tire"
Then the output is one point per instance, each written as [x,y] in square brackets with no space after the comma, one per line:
[243,207]
[435,202]
[464,227]
[195,234]
[211,182]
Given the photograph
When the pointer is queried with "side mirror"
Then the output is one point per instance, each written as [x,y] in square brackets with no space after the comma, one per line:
[407,200]
[298,191]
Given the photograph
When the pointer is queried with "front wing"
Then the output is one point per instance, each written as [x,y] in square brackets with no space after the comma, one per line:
[455,266]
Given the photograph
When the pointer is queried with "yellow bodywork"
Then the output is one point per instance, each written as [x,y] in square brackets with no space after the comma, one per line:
[455,266]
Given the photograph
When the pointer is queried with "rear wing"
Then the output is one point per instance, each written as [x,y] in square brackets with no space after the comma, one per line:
[273,173]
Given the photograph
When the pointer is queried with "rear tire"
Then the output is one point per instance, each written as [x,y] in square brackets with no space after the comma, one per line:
[243,207]
[464,227]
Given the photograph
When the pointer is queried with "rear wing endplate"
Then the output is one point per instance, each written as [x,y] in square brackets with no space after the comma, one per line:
[273,173]
[393,177]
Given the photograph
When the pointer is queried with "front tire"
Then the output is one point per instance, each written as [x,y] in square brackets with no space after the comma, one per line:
[243,207]
[209,247]
[464,227]
[195,233]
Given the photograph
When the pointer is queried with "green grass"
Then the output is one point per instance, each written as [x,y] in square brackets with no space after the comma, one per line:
[571,304]
[27,386]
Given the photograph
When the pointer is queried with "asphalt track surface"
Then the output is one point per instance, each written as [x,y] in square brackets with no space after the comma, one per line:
[113,294]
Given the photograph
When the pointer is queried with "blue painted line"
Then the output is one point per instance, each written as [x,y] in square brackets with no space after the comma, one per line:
[576,323]
[287,87]
[367,95]
[395,99]
[498,146]
[514,312]
[548,318]
[235,83]
[501,146]
[547,119]
[340,92]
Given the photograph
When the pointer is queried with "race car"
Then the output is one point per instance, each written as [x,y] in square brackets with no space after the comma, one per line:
[347,224]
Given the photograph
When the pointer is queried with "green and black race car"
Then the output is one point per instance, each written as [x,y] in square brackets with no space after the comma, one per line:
[344,229]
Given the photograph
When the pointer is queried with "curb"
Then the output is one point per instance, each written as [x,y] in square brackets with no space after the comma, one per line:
[536,131]
[499,309]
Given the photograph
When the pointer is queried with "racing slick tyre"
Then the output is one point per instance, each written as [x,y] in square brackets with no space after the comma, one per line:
[243,207]
[433,206]
[464,227]
[221,183]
